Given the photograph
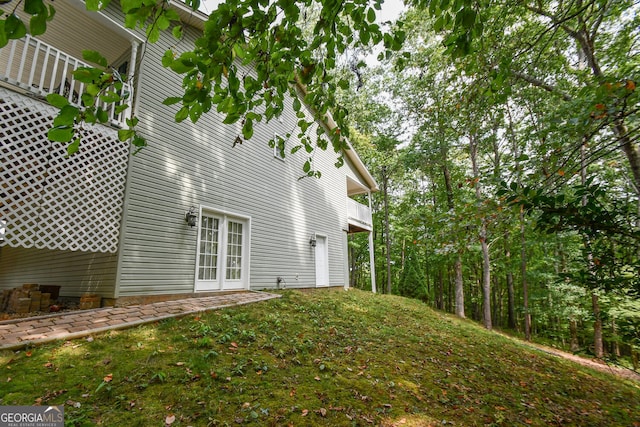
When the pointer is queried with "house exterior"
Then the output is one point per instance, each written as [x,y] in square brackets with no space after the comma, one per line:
[111,223]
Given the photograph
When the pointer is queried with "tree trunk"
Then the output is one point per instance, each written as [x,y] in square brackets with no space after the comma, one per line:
[573,331]
[459,285]
[616,343]
[486,264]
[511,297]
[486,278]
[440,291]
[598,348]
[459,288]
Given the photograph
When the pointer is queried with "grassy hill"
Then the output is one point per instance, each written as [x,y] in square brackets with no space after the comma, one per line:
[329,358]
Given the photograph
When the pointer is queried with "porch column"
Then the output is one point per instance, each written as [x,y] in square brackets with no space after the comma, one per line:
[131,75]
[372,264]
[132,61]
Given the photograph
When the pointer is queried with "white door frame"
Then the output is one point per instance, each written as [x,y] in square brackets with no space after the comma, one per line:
[322,260]
[221,282]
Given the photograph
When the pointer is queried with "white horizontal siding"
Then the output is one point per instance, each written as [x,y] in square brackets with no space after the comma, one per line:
[188,164]
[75,272]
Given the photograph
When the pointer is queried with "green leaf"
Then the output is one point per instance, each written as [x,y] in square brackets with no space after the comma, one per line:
[132,122]
[125,134]
[195,112]
[182,114]
[88,100]
[109,97]
[239,51]
[96,5]
[172,100]
[247,129]
[73,147]
[34,7]
[3,36]
[120,108]
[231,118]
[62,134]
[92,89]
[95,57]
[56,100]
[139,141]
[102,115]
[180,66]
[87,74]
[371,15]
[14,28]
[167,58]
[52,13]
[38,24]
[177,32]
[66,116]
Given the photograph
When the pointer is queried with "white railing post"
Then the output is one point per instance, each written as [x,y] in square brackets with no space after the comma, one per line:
[32,73]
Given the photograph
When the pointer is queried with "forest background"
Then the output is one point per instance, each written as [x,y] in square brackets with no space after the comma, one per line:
[509,171]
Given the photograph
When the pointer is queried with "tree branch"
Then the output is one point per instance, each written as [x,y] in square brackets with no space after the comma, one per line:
[541,84]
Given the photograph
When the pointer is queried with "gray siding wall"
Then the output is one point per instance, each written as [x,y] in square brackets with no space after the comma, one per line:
[187,164]
[76,272]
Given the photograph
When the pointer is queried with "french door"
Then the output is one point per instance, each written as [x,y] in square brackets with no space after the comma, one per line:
[222,256]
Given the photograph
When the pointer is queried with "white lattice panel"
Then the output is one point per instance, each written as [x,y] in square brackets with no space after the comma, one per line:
[48,200]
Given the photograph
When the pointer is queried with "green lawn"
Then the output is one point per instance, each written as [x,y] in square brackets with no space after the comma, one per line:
[319,358]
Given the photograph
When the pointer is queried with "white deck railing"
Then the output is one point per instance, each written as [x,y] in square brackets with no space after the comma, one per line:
[359,213]
[42,69]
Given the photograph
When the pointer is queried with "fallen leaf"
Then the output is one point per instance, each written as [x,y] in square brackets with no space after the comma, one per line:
[28,354]
[48,365]
[108,378]
[322,412]
[8,379]
[305,412]
[316,378]
[179,363]
[170,419]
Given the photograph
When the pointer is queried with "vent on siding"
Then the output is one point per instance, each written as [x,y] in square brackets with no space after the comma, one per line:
[50,201]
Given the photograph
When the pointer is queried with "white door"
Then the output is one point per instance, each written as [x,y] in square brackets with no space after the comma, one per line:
[222,253]
[322,261]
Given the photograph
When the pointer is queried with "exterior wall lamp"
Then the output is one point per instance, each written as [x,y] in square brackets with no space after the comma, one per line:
[313,241]
[190,217]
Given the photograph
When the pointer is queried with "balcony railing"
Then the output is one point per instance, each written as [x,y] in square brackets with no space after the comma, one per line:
[359,214]
[42,69]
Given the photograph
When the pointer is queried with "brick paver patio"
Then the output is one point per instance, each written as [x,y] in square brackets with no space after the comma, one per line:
[36,330]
